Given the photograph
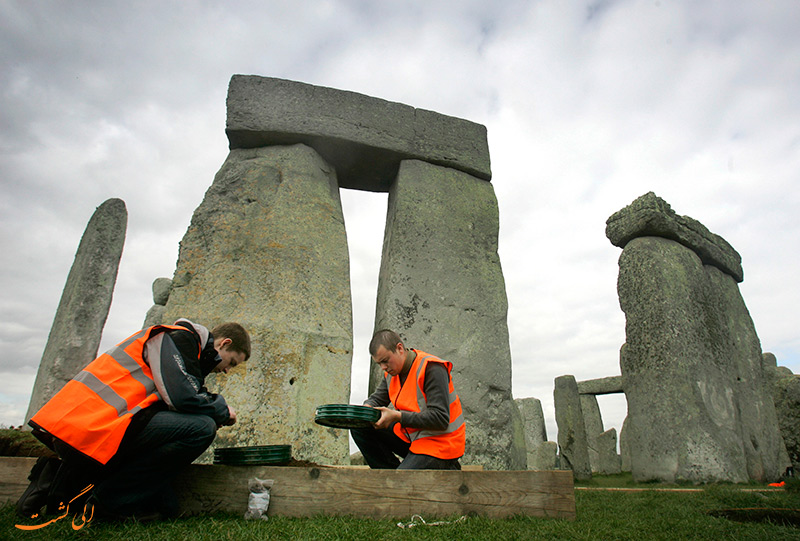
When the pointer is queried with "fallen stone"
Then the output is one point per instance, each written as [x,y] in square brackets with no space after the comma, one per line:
[78,324]
[651,216]
[364,138]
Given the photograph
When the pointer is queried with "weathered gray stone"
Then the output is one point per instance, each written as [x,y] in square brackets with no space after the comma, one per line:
[593,424]
[691,370]
[609,385]
[442,289]
[651,216]
[571,430]
[545,457]
[787,403]
[785,389]
[624,448]
[357,459]
[530,410]
[608,461]
[364,138]
[267,248]
[161,289]
[83,309]
[155,316]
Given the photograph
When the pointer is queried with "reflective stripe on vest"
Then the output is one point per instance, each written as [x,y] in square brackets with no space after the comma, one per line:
[447,443]
[94,409]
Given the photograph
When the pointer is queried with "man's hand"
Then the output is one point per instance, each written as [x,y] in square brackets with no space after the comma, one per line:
[388,418]
[232,417]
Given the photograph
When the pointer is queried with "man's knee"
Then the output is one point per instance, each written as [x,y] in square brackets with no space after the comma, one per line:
[206,430]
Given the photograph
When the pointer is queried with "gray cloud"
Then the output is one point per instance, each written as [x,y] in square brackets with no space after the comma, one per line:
[588,105]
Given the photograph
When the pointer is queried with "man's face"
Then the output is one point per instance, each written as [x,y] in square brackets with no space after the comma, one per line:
[229,357]
[391,361]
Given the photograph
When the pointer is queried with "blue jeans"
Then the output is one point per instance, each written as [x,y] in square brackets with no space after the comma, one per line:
[149,462]
[381,449]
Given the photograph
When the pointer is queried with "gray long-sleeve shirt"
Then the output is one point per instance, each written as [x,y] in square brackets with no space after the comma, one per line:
[436,413]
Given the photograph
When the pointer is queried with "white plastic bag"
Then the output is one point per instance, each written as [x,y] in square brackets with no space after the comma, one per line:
[258,503]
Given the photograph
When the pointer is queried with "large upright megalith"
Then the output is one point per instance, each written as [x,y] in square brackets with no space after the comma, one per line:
[85,301]
[572,441]
[267,248]
[441,288]
[698,406]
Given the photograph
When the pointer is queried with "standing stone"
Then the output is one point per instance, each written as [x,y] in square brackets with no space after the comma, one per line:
[530,410]
[267,248]
[691,364]
[85,301]
[608,461]
[785,389]
[442,289]
[787,403]
[593,423]
[155,316]
[545,457]
[624,448]
[571,430]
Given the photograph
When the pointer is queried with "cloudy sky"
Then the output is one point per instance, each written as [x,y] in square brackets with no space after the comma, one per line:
[588,105]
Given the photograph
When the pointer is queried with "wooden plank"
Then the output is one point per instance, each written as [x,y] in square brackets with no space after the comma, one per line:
[14,477]
[310,491]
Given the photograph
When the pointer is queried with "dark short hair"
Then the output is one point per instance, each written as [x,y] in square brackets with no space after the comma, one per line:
[386,338]
[240,340]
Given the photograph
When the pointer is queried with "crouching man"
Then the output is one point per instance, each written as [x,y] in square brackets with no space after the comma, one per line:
[426,427]
[134,417]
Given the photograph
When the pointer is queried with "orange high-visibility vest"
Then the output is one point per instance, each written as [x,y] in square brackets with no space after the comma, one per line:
[445,444]
[93,410]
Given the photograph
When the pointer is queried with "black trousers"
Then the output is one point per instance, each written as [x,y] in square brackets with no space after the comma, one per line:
[381,449]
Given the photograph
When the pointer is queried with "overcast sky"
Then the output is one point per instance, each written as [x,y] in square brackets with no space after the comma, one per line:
[588,105]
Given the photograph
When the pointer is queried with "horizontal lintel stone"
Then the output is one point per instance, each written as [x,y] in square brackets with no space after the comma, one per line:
[609,385]
[651,216]
[364,138]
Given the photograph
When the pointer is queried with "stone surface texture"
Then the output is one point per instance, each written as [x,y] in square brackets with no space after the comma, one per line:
[267,248]
[608,461]
[364,138]
[651,216]
[545,457]
[609,385]
[785,389]
[441,288]
[572,441]
[593,424]
[161,290]
[698,409]
[78,324]
[533,424]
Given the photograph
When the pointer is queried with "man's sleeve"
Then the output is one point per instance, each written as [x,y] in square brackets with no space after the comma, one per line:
[380,397]
[179,382]
[436,415]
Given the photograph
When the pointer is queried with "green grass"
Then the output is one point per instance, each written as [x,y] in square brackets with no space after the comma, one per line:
[600,515]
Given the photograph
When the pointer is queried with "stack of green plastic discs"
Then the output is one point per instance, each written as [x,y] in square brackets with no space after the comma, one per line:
[253,456]
[346,416]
